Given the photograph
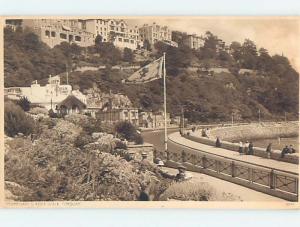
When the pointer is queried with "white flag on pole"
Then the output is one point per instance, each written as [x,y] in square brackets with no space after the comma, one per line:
[150,72]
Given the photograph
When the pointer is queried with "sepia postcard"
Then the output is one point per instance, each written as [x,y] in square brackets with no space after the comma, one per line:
[149,112]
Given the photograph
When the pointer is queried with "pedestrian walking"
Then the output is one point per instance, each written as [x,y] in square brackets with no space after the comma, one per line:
[251,150]
[284,151]
[269,150]
[218,142]
[241,148]
[246,148]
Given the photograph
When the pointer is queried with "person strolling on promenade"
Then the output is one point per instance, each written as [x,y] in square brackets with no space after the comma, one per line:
[246,148]
[251,150]
[218,142]
[241,148]
[269,150]
[284,151]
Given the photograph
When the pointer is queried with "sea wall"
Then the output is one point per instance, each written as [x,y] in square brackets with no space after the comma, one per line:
[256,131]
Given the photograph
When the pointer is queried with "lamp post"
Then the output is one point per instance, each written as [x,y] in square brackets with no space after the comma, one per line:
[259,115]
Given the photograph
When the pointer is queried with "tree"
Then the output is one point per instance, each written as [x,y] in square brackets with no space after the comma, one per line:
[126,130]
[128,55]
[16,121]
[265,61]
[236,48]
[98,40]
[249,54]
[24,103]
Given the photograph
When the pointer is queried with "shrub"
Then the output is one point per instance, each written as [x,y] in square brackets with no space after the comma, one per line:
[16,121]
[52,170]
[138,139]
[82,140]
[24,104]
[38,110]
[126,130]
[197,191]
[50,123]
[120,145]
[88,124]
[189,191]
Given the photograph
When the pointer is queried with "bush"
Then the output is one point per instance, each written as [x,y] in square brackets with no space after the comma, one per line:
[16,121]
[120,145]
[24,104]
[52,171]
[189,191]
[138,139]
[126,130]
[88,124]
[38,110]
[82,140]
[197,191]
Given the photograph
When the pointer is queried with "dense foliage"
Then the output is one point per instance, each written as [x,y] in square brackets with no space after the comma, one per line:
[126,130]
[16,121]
[272,86]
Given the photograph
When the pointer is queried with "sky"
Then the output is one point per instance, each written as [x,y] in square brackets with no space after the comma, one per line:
[279,35]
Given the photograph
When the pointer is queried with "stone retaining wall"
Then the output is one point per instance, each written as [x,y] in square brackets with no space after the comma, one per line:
[140,148]
[256,131]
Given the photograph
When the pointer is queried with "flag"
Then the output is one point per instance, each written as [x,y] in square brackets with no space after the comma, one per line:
[150,72]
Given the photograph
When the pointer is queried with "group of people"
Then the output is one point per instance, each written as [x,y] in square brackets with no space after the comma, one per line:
[246,148]
[287,150]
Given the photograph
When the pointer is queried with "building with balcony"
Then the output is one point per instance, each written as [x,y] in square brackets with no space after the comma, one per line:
[154,33]
[116,31]
[53,32]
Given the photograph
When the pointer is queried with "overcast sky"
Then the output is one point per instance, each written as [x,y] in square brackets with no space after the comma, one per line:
[278,35]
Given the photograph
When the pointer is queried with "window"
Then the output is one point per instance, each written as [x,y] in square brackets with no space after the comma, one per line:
[47,33]
[132,41]
[120,39]
[53,34]
[63,36]
[126,40]
[77,38]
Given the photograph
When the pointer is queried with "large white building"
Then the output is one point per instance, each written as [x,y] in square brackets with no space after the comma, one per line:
[116,31]
[48,96]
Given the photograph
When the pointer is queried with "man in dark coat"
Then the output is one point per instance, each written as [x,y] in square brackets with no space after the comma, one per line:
[251,150]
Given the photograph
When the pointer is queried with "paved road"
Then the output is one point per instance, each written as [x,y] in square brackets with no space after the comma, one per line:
[250,159]
[246,194]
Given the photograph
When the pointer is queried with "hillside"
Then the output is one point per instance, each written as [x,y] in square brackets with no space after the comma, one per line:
[273,88]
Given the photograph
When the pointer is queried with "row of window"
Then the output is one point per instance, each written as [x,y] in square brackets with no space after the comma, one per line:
[126,40]
[63,36]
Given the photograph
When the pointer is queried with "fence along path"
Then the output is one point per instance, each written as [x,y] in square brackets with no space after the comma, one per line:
[275,182]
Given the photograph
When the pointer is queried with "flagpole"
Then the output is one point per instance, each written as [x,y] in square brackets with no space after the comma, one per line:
[165,103]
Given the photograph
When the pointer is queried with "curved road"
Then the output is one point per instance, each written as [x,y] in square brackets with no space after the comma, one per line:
[157,139]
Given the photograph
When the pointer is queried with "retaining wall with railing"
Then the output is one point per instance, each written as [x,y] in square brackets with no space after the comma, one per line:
[282,184]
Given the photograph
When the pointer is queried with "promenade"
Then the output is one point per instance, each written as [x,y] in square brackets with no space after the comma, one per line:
[255,160]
